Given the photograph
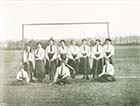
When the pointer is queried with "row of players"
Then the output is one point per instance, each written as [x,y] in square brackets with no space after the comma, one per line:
[41,62]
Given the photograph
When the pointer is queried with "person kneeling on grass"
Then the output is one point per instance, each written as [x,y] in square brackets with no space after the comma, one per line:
[62,74]
[108,73]
[22,76]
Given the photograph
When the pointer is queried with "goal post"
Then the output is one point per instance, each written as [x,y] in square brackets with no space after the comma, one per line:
[58,24]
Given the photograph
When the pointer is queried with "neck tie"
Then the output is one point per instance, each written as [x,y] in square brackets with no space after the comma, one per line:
[63,47]
[37,51]
[61,70]
[27,55]
[84,48]
[51,48]
[106,68]
[97,48]
[22,75]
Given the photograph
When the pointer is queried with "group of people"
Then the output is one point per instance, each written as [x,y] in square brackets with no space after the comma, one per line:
[62,62]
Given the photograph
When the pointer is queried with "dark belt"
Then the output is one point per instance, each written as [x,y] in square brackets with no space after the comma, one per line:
[84,54]
[50,55]
[107,53]
[74,55]
[97,55]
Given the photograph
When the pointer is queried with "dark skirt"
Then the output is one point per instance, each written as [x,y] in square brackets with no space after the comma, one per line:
[84,67]
[97,67]
[106,78]
[63,81]
[74,64]
[39,70]
[51,68]
[29,69]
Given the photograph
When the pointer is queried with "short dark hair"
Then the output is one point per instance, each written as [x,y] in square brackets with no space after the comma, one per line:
[108,39]
[72,41]
[98,40]
[84,40]
[38,43]
[51,40]
[62,41]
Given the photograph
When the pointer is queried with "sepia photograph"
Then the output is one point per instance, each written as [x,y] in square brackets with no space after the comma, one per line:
[69,53]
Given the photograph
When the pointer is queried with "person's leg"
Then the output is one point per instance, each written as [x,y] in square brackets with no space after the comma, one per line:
[99,67]
[86,68]
[110,78]
[103,78]
[93,68]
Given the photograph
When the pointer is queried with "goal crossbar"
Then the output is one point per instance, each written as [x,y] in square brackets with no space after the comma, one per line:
[73,23]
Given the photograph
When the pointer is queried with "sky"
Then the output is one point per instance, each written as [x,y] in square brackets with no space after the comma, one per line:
[123,16]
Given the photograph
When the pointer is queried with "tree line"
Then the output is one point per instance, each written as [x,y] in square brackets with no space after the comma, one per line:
[119,40]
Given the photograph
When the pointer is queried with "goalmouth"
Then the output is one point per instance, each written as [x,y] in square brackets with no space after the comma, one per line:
[60,24]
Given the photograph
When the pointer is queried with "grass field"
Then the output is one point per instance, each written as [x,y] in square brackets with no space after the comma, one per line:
[124,92]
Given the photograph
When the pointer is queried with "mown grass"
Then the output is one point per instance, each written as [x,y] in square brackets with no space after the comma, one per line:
[124,92]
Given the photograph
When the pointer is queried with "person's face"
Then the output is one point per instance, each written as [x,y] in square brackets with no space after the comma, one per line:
[107,61]
[84,42]
[73,42]
[51,42]
[62,43]
[28,48]
[21,69]
[39,45]
[108,42]
[97,42]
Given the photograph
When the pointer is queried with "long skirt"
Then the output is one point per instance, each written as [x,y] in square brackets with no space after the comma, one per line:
[29,69]
[84,67]
[63,81]
[106,78]
[97,67]
[51,68]
[74,64]
[39,70]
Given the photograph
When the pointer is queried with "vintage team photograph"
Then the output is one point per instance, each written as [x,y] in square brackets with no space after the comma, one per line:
[70,53]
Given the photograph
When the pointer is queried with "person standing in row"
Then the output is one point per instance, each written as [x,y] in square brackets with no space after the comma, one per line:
[73,53]
[84,59]
[51,56]
[62,52]
[108,50]
[97,55]
[39,62]
[28,58]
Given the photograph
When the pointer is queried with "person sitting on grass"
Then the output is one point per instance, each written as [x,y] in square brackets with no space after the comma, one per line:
[107,74]
[22,76]
[62,74]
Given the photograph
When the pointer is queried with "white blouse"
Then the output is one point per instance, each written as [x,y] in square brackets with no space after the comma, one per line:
[84,49]
[28,56]
[39,54]
[97,50]
[52,49]
[109,48]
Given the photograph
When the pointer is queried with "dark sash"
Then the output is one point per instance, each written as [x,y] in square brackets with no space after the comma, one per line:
[74,55]
[50,55]
[84,54]
[107,53]
[97,55]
